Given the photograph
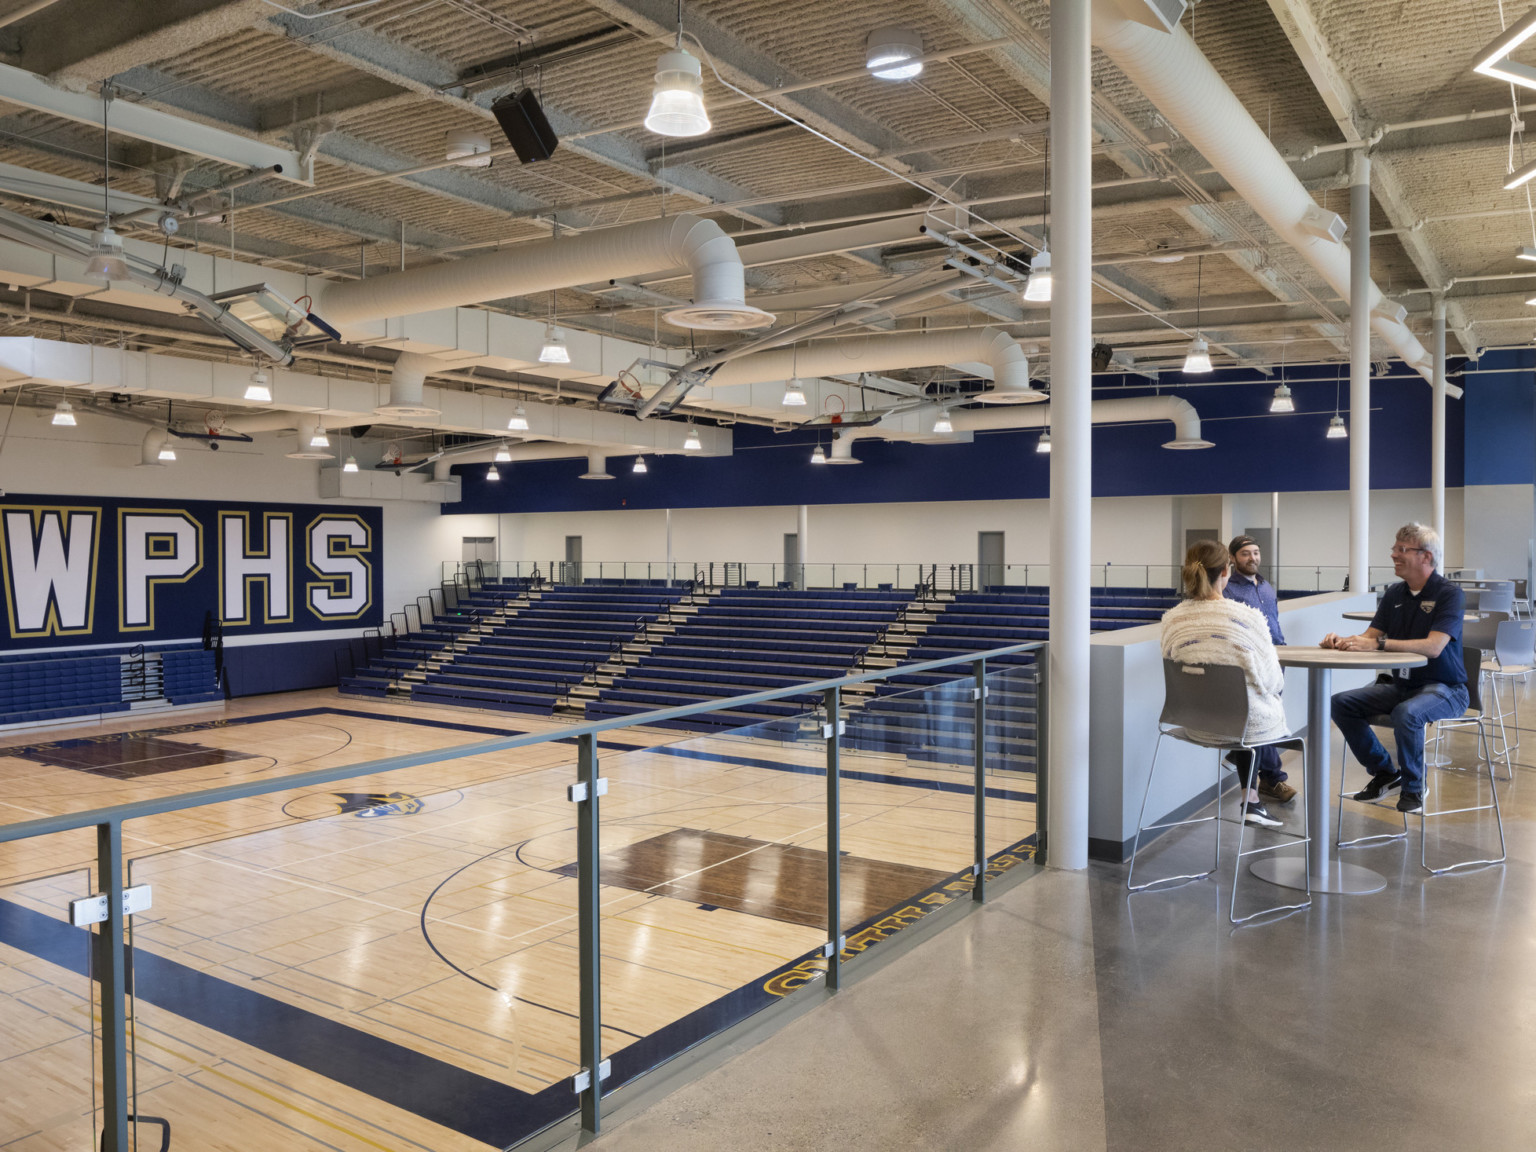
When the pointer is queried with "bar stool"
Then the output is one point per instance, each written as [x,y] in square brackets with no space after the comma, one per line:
[1474,716]
[1207,705]
[1514,657]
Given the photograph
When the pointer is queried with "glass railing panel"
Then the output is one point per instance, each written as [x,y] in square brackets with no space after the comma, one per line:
[49,1010]
[1013,758]
[389,962]
[713,879]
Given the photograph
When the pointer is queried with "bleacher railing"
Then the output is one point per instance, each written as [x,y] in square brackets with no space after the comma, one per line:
[940,577]
[968,741]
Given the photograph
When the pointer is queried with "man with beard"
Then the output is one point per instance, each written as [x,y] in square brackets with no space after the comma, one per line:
[1250,588]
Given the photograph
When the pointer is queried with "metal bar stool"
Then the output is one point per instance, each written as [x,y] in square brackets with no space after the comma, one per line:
[1474,716]
[1514,657]
[1207,705]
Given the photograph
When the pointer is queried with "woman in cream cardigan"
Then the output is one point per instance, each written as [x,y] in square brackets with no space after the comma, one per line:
[1207,628]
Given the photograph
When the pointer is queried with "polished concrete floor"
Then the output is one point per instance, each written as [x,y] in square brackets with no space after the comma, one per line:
[1065,1014]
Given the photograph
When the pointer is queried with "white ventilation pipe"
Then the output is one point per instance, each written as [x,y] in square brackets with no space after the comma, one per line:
[149,449]
[1127,410]
[262,422]
[406,382]
[544,450]
[719,287]
[1189,93]
[851,354]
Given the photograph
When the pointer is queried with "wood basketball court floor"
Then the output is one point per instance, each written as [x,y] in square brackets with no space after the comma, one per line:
[390,962]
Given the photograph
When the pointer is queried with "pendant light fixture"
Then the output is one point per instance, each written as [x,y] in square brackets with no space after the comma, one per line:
[350,465]
[794,393]
[259,389]
[677,98]
[318,438]
[519,421]
[640,469]
[1037,289]
[503,455]
[107,262]
[64,414]
[691,444]
[492,473]
[1198,359]
[1043,445]
[943,426]
[1282,402]
[167,455]
[554,350]
[1337,429]
[819,455]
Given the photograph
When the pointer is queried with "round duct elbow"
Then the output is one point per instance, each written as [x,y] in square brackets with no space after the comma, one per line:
[406,388]
[597,467]
[1010,375]
[719,284]
[842,451]
[308,447]
[149,450]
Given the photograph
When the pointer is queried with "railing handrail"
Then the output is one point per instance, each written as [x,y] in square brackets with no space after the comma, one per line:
[138,809]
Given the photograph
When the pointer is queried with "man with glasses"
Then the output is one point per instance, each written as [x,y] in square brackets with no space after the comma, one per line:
[1423,615]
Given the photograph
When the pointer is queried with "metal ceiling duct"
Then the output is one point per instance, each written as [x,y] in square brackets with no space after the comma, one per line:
[1128,410]
[853,354]
[406,382]
[719,286]
[1187,90]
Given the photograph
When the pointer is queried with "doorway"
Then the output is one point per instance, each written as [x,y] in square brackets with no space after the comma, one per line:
[989,560]
[571,573]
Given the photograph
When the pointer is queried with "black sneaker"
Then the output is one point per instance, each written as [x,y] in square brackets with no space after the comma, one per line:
[1409,804]
[1254,812]
[1382,784]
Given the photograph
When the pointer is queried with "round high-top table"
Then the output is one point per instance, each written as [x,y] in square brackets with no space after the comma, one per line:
[1369,616]
[1329,873]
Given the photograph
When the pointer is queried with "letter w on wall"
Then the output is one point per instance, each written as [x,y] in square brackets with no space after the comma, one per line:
[50,570]
[243,563]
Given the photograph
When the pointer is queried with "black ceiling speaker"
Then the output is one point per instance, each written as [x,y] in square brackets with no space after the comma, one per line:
[1101,357]
[526,127]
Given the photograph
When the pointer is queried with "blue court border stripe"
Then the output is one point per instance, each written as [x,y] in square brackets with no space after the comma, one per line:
[465,1102]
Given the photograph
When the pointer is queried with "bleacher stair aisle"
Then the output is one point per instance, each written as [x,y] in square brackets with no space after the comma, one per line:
[743,640]
[513,649]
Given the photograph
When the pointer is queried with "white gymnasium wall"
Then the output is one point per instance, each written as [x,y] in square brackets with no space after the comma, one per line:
[99,457]
[1499,527]
[1314,529]
[1125,531]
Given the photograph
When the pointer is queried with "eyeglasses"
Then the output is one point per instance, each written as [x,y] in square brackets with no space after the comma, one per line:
[1399,550]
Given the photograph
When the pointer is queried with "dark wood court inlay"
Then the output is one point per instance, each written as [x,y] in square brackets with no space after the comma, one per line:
[126,756]
[775,881]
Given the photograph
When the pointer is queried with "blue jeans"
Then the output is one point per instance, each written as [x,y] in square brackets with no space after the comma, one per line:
[1268,757]
[1411,707]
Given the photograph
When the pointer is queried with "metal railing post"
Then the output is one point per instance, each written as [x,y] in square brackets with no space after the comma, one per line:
[112,974]
[1042,746]
[589,929]
[833,732]
[979,694]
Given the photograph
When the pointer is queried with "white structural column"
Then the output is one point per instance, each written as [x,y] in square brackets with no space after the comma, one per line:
[803,545]
[1360,373]
[1071,431]
[1437,425]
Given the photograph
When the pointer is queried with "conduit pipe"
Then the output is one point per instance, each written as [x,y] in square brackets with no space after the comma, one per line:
[1181,83]
[1010,367]
[719,286]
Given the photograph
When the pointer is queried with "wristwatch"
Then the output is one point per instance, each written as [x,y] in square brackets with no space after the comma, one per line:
[1381,643]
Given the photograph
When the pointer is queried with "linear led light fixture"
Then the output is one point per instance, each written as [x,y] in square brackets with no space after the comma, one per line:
[1521,176]
[1495,63]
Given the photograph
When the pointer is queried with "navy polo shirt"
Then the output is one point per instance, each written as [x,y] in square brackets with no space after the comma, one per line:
[1439,607]
[1259,594]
